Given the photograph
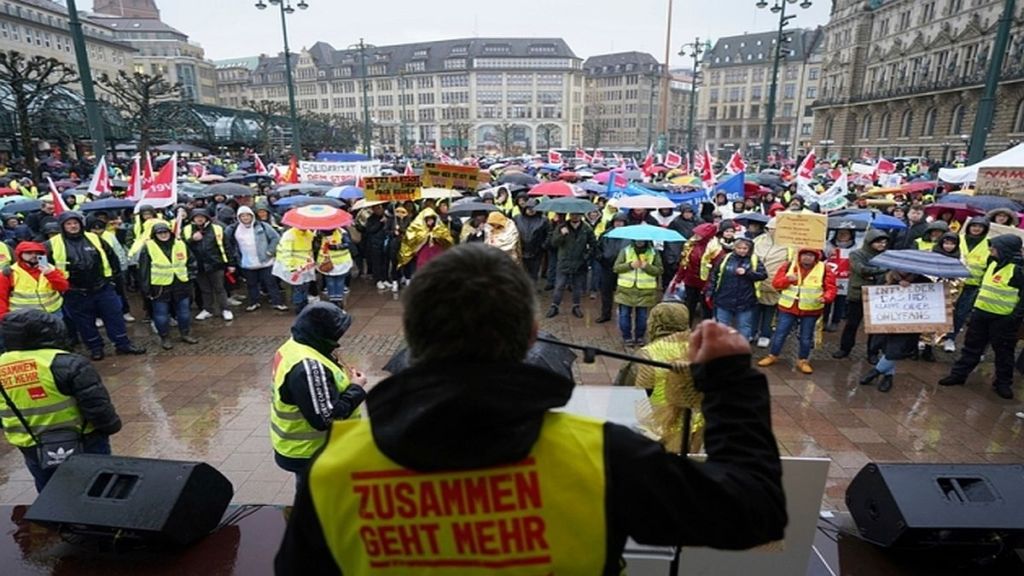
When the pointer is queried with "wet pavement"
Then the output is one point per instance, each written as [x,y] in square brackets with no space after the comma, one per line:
[211,401]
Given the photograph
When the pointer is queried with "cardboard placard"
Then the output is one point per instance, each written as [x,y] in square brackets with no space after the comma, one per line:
[391,188]
[801,229]
[916,309]
[996,181]
[337,172]
[1001,230]
[450,176]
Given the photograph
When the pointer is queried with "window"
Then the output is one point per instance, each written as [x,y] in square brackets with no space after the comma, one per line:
[789,91]
[812,92]
[426,98]
[813,73]
[454,80]
[906,123]
[417,66]
[383,85]
[828,128]
[929,123]
[377,69]
[488,80]
[426,115]
[454,63]
[420,54]
[425,82]
[755,110]
[956,126]
[883,129]
[805,129]
[755,92]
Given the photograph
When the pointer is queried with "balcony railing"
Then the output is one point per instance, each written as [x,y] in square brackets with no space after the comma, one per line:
[976,80]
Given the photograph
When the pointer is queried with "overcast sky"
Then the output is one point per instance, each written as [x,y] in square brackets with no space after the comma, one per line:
[235,28]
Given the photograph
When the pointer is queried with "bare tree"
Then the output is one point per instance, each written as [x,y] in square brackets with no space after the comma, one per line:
[268,116]
[504,133]
[32,80]
[593,130]
[544,134]
[138,95]
[458,128]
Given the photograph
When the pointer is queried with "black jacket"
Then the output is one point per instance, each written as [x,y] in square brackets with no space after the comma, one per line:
[74,375]
[573,248]
[177,289]
[205,251]
[85,267]
[446,417]
[375,230]
[533,233]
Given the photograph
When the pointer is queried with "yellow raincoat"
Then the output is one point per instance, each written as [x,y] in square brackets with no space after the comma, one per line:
[417,235]
[503,235]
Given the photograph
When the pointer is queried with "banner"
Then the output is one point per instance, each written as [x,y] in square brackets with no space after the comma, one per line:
[801,230]
[450,177]
[391,188]
[918,308]
[1000,182]
[164,190]
[835,197]
[337,172]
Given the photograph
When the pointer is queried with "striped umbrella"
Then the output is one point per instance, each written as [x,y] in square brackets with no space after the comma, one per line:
[921,262]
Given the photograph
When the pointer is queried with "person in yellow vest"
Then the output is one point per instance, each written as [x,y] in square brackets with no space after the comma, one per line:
[334,262]
[27,284]
[52,389]
[805,285]
[295,264]
[974,251]
[638,269]
[311,388]
[145,217]
[208,245]
[932,233]
[735,285]
[5,255]
[165,268]
[996,317]
[464,457]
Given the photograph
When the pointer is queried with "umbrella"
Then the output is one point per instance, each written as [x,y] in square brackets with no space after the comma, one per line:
[470,207]
[211,178]
[645,232]
[960,212]
[751,217]
[593,187]
[228,189]
[8,191]
[886,222]
[362,203]
[567,206]
[842,223]
[439,194]
[18,207]
[568,176]
[107,204]
[517,178]
[305,188]
[648,201]
[181,148]
[584,173]
[552,189]
[345,192]
[303,200]
[5,200]
[190,188]
[557,359]
[919,186]
[238,174]
[921,262]
[685,180]
[316,217]
[984,202]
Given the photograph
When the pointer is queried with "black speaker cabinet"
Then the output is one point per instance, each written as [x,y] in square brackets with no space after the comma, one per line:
[157,502]
[920,505]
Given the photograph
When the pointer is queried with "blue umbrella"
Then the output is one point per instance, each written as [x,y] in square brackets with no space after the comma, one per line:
[107,204]
[983,202]
[345,192]
[886,222]
[303,200]
[593,187]
[19,207]
[5,200]
[645,232]
[921,262]
[566,206]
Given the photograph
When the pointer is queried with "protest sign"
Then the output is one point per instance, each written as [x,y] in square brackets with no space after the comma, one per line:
[450,176]
[391,188]
[337,172]
[1000,182]
[918,308]
[995,230]
[835,197]
[801,230]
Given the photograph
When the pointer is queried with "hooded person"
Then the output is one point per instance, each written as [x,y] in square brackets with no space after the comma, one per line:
[687,220]
[533,230]
[58,389]
[862,273]
[311,388]
[689,276]
[90,264]
[264,213]
[424,240]
[837,256]
[932,233]
[1003,217]
[996,317]
[805,286]
[734,285]
[974,251]
[503,235]
[25,284]
[210,247]
[166,267]
[253,244]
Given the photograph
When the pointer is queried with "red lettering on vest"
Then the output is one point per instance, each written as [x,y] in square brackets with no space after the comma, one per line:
[17,374]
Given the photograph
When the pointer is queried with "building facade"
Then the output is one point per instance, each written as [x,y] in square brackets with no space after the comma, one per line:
[127,8]
[737,79]
[903,78]
[623,102]
[465,95]
[234,79]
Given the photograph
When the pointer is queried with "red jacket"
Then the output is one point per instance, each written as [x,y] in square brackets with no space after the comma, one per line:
[57,279]
[689,269]
[780,283]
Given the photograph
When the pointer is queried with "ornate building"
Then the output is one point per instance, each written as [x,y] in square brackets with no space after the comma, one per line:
[903,77]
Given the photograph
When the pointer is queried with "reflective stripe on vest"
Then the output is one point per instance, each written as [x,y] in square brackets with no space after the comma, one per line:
[290,434]
[60,255]
[807,291]
[295,249]
[976,260]
[218,234]
[162,271]
[341,258]
[28,292]
[753,267]
[542,515]
[636,277]
[28,380]
[995,294]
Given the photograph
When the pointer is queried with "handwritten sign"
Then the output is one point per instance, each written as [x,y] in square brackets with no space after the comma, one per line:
[915,309]
[1000,182]
[450,176]
[337,172]
[391,188]
[801,230]
[995,230]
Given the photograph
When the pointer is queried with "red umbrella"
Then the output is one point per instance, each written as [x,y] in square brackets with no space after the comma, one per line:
[552,189]
[8,192]
[568,176]
[919,186]
[658,169]
[317,217]
[960,212]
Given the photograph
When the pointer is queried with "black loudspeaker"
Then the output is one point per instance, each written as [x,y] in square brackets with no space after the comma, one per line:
[153,502]
[923,505]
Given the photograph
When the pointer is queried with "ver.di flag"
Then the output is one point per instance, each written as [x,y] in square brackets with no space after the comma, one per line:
[164,190]
[59,207]
[261,168]
[100,183]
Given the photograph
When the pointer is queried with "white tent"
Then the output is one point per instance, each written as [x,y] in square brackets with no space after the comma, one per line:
[1012,158]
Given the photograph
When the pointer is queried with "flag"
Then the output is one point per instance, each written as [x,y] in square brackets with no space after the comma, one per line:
[866,155]
[142,177]
[133,180]
[554,157]
[100,183]
[736,164]
[582,155]
[196,170]
[707,175]
[673,160]
[698,162]
[835,197]
[834,174]
[164,190]
[59,207]
[806,170]
[598,154]
[260,167]
[786,174]
[648,162]
[291,176]
[884,166]
[618,158]
[408,170]
[733,187]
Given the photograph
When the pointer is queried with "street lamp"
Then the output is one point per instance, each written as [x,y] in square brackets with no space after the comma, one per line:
[778,8]
[696,49]
[286,8]
[367,145]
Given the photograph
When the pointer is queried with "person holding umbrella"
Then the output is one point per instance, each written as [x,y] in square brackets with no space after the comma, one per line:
[638,267]
[294,263]
[574,240]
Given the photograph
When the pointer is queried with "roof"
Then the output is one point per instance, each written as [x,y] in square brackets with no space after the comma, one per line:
[618,62]
[249,63]
[135,24]
[751,49]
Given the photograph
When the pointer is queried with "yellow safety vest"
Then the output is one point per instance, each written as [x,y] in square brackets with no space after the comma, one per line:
[927,246]
[753,266]
[5,255]
[542,515]
[995,294]
[218,233]
[60,255]
[290,434]
[28,292]
[806,291]
[976,260]
[636,277]
[337,256]
[663,350]
[143,231]
[28,380]
[295,248]
[162,271]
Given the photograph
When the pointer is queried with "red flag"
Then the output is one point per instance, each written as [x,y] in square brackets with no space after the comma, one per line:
[885,166]
[408,170]
[59,207]
[648,165]
[134,180]
[100,183]
[707,175]
[806,169]
[736,164]
[260,167]
[835,174]
[673,160]
[598,154]
[580,154]
[554,157]
[164,190]
[786,174]
[866,154]
[147,174]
